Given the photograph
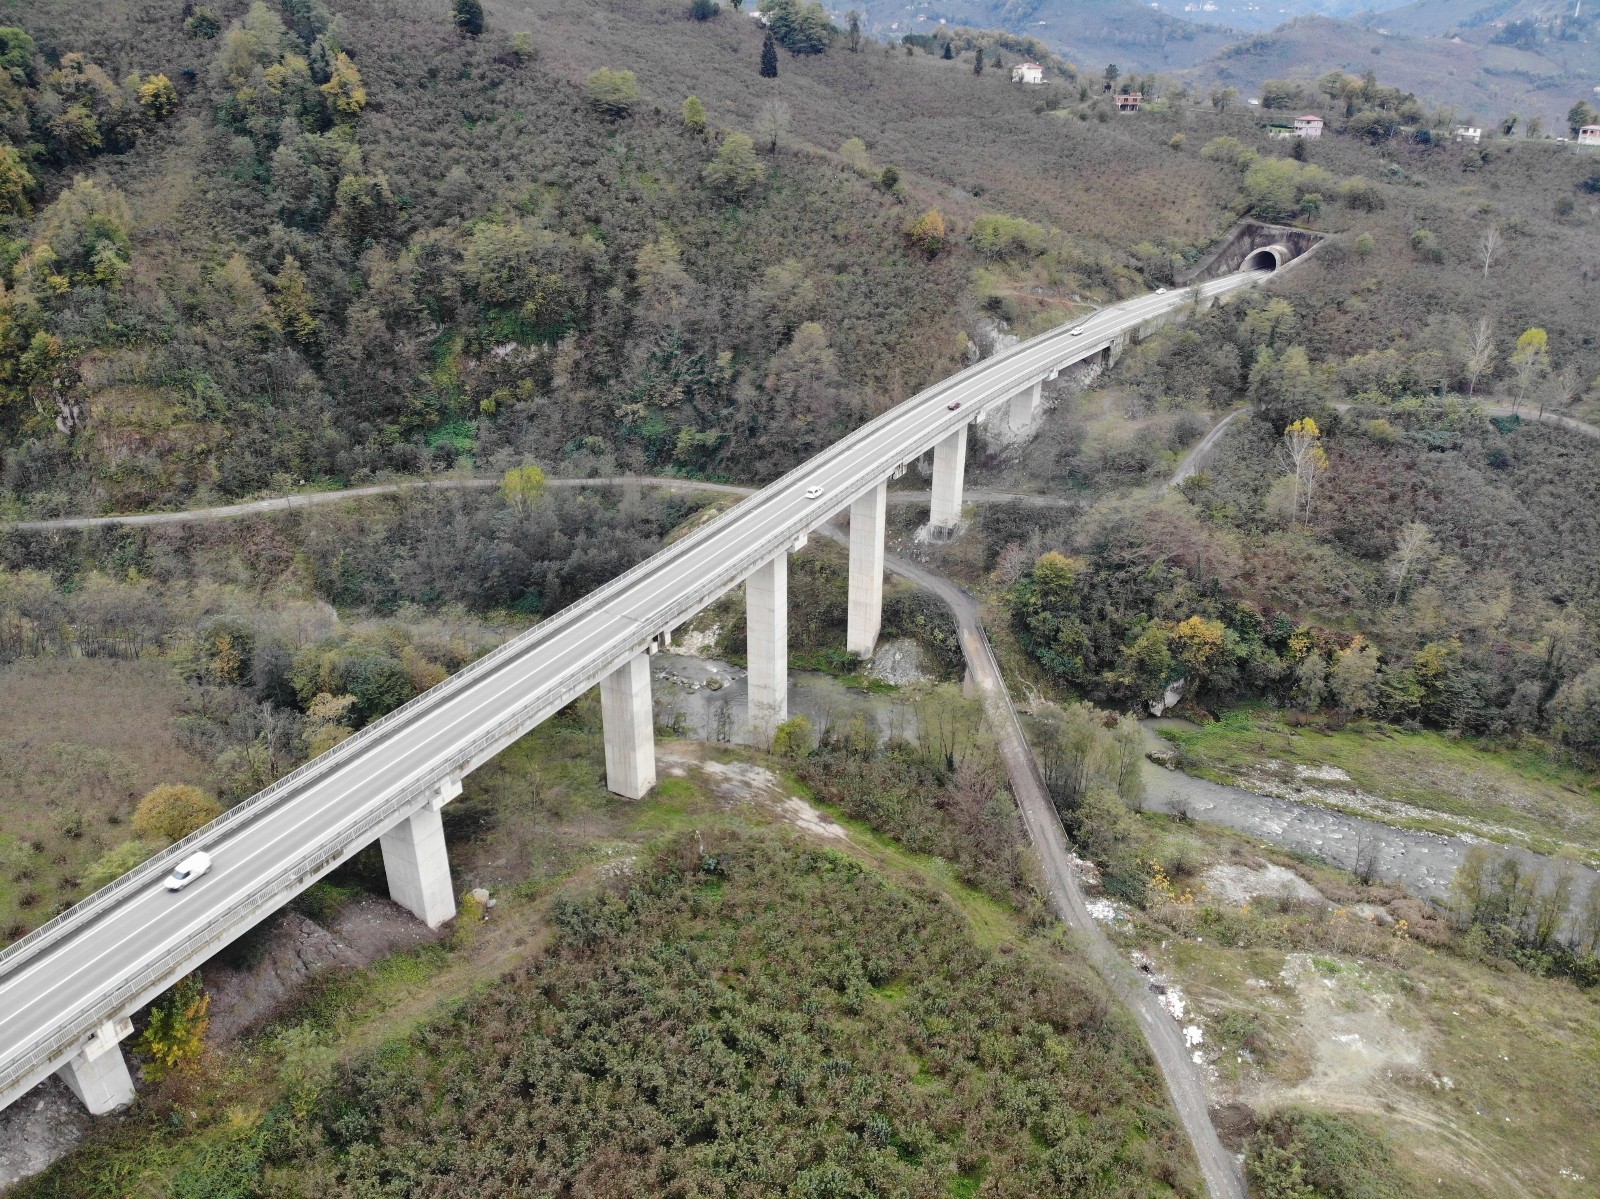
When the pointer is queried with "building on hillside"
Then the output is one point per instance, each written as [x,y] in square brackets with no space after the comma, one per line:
[1589,135]
[1130,101]
[1469,133]
[1307,126]
[1027,72]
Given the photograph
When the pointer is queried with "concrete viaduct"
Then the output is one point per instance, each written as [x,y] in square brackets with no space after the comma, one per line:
[69,988]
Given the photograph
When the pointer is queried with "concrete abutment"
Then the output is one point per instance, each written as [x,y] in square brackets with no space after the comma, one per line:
[98,1075]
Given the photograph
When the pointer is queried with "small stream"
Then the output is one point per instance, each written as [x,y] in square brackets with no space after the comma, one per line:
[1421,862]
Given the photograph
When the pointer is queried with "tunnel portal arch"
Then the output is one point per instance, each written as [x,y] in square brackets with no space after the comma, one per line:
[1267,258]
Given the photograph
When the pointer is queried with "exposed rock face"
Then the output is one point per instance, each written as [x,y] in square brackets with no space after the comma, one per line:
[365,929]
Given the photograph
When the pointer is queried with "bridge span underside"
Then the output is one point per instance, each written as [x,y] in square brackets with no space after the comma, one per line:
[68,988]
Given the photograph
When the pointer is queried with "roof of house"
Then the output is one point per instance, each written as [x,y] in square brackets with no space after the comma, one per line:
[1310,116]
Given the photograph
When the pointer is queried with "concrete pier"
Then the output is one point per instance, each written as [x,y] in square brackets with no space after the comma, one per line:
[766,597]
[98,1075]
[629,717]
[418,865]
[866,570]
[1025,406]
[949,469]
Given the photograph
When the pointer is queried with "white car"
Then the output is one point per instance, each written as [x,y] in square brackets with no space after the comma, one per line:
[186,871]
[813,493]
[1078,332]
[1161,291]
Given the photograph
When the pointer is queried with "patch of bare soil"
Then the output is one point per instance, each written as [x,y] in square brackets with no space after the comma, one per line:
[736,783]
[366,929]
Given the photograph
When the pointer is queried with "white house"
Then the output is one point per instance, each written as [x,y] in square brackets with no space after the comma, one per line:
[1309,125]
[1469,133]
[1589,135]
[1027,72]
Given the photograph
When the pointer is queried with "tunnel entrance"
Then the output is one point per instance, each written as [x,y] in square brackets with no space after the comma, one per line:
[1268,258]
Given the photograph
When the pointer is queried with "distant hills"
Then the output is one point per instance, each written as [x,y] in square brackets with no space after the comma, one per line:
[1486,58]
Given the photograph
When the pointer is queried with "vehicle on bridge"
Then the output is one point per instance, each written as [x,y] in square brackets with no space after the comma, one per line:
[186,871]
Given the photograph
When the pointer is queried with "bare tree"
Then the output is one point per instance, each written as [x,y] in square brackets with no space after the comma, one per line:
[1563,390]
[1369,848]
[1412,547]
[773,123]
[1489,246]
[1480,353]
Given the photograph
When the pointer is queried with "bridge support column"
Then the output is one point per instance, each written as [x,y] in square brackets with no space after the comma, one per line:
[867,518]
[1025,406]
[949,469]
[766,598]
[99,1074]
[629,720]
[417,863]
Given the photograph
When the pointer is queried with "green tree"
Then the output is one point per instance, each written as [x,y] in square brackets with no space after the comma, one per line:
[17,54]
[293,307]
[16,181]
[694,115]
[170,813]
[467,16]
[854,33]
[735,172]
[977,62]
[949,51]
[522,47]
[612,93]
[1580,115]
[114,863]
[769,57]
[203,24]
[799,26]
[704,10]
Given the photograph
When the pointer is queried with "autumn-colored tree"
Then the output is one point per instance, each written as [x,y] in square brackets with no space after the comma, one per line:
[523,487]
[175,1038]
[344,92]
[170,813]
[926,232]
[1304,460]
[158,97]
[1530,361]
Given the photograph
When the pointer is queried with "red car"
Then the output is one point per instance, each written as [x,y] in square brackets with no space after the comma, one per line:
[953,405]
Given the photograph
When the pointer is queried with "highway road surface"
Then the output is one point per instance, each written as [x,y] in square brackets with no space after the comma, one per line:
[126,943]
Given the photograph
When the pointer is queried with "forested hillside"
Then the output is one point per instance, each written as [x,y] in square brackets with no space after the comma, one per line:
[345,240]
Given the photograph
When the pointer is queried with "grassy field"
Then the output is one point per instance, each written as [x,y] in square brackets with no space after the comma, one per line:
[1480,1078]
[1429,780]
[80,741]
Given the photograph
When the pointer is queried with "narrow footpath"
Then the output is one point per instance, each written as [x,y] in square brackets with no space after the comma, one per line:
[317,499]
